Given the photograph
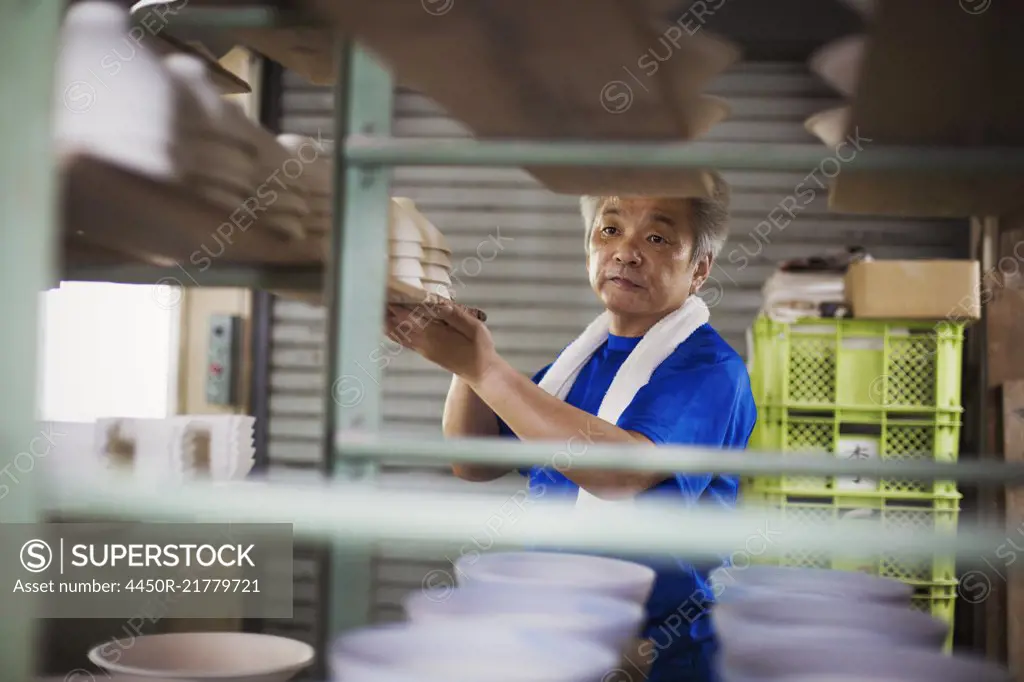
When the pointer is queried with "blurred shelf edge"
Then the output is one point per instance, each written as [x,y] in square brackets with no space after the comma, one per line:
[123,227]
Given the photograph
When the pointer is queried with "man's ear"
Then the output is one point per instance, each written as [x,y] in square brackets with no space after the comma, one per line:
[701,271]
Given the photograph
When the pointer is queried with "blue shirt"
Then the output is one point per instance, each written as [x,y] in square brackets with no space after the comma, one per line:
[700,395]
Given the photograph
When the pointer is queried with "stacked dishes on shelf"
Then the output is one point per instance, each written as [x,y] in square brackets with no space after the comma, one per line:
[214,447]
[315,173]
[513,616]
[214,151]
[781,623]
[166,119]
[281,201]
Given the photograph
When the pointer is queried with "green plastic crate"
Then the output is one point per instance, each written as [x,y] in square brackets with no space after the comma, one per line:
[940,513]
[870,364]
[938,599]
[858,434]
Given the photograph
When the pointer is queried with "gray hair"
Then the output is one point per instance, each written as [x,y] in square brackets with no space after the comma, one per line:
[710,218]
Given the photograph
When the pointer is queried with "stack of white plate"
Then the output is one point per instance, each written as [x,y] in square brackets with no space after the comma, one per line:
[465,652]
[609,621]
[315,168]
[281,197]
[515,617]
[215,447]
[405,246]
[216,156]
[775,623]
[436,259]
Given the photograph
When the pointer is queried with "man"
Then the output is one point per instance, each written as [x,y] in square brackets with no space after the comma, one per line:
[646,258]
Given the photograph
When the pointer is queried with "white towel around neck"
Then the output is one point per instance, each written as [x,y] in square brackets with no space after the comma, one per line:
[657,344]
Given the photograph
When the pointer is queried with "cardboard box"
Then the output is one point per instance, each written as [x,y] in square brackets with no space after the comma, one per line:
[915,289]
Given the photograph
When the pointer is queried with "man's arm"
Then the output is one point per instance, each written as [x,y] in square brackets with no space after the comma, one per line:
[534,414]
[466,416]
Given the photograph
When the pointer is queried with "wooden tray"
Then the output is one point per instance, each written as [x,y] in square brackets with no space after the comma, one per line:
[404,294]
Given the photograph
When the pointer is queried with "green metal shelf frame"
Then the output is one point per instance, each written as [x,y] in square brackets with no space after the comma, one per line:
[350,515]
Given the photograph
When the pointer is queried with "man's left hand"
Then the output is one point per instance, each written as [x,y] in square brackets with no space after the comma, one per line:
[446,334]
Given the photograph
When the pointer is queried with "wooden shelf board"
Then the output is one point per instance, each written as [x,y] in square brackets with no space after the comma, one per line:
[944,77]
[229,83]
[107,210]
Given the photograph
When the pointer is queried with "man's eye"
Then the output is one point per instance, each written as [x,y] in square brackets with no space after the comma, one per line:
[656,239]
[607,230]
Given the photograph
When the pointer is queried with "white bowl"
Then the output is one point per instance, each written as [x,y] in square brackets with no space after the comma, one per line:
[775,661]
[734,583]
[430,236]
[583,572]
[398,248]
[736,634]
[438,288]
[838,63]
[463,652]
[829,126]
[194,656]
[405,267]
[403,224]
[436,273]
[899,623]
[437,257]
[611,622]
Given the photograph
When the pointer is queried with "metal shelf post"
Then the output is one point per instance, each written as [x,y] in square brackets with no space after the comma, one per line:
[356,301]
[28,45]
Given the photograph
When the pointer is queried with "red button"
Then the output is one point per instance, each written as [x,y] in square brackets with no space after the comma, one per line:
[216,369]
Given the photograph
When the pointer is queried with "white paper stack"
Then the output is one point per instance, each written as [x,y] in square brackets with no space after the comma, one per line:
[791,296]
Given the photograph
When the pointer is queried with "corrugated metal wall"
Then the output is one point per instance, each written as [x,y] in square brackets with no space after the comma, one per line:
[518,252]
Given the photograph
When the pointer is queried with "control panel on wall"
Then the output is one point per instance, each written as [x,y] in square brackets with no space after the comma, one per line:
[222,363]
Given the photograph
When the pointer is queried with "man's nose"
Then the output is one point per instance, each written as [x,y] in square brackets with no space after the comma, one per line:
[627,253]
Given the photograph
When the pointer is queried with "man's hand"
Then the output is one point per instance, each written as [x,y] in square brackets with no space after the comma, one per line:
[447,335]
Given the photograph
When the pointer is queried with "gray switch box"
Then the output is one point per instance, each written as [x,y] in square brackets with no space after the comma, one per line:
[223,359]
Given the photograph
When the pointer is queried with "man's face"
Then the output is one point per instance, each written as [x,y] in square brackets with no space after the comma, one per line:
[640,256]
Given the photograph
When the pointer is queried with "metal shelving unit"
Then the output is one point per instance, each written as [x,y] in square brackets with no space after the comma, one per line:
[348,511]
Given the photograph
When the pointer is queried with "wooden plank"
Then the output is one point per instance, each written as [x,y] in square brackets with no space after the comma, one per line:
[1013,449]
[307,52]
[1004,322]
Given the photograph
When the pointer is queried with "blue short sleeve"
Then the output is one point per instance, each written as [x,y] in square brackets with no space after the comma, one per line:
[701,404]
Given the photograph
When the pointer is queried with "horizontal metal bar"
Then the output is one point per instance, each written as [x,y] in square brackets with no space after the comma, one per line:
[380,151]
[577,452]
[246,277]
[429,522]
